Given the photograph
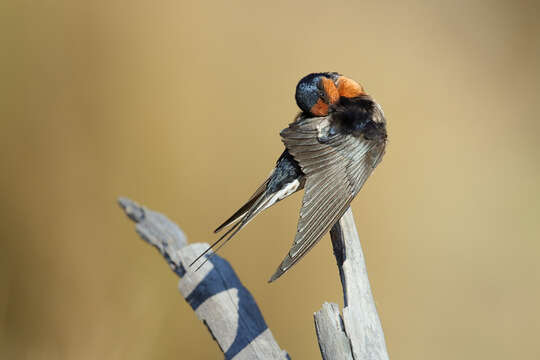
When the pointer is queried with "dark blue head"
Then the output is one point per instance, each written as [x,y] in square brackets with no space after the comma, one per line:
[316,92]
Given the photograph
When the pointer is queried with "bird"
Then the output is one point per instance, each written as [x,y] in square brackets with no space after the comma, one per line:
[331,148]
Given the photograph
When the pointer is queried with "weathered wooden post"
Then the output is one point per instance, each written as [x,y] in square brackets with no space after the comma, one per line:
[231,314]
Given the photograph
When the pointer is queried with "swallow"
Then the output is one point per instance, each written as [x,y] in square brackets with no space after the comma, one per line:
[331,148]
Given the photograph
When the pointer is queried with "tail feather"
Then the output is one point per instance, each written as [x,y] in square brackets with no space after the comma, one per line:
[286,179]
[256,205]
[245,208]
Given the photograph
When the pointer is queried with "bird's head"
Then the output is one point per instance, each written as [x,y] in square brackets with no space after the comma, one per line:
[316,92]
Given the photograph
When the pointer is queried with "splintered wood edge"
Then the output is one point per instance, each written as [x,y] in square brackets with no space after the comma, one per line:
[360,322]
[333,341]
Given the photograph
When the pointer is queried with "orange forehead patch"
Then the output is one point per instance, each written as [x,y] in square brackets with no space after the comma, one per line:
[330,89]
[320,108]
[349,88]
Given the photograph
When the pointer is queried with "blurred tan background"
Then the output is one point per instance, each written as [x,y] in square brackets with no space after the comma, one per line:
[178,105]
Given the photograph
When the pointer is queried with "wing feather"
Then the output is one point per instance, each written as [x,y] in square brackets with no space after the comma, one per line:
[336,169]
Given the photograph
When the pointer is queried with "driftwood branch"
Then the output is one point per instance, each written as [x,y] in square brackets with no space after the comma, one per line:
[358,334]
[214,292]
[230,313]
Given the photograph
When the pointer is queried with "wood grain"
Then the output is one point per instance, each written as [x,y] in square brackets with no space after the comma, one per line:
[214,292]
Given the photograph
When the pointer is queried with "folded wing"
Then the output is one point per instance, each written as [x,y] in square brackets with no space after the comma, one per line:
[336,165]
